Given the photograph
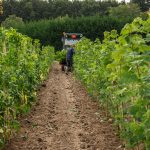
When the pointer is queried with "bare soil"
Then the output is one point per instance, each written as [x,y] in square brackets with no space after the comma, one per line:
[65,118]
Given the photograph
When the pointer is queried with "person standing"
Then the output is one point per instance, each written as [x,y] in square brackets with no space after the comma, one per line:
[69,58]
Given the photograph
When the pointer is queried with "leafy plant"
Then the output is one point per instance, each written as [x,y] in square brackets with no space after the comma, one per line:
[117,72]
[61,56]
[23,66]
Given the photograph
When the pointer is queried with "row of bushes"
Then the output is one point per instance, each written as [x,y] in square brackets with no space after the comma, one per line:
[23,66]
[117,72]
[50,31]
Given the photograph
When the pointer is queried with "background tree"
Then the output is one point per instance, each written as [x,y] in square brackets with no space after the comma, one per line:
[144,4]
[125,11]
[1,8]
[39,9]
[12,21]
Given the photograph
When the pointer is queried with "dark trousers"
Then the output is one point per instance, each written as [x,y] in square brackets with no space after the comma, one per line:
[69,64]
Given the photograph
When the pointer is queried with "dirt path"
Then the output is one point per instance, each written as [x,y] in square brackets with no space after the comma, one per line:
[64,118]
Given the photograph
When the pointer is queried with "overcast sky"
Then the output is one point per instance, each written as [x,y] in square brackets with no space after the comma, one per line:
[121,0]
[125,0]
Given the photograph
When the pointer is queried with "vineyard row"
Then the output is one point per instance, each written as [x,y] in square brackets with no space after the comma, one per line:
[116,71]
[23,67]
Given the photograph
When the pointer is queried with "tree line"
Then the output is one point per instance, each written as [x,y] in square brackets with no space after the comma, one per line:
[48,9]
[39,9]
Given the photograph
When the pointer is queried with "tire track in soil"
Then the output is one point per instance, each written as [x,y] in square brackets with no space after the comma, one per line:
[64,118]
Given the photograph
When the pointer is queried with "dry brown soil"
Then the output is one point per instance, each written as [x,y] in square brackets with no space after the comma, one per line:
[65,118]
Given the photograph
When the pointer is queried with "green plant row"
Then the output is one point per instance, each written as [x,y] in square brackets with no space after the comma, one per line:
[23,66]
[61,56]
[117,72]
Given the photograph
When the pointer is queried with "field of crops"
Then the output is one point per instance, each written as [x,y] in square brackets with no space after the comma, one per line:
[23,66]
[117,73]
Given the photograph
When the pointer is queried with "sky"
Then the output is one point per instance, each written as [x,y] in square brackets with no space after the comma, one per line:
[125,0]
[121,0]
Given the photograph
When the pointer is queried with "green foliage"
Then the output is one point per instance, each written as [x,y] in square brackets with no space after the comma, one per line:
[125,11]
[61,56]
[23,66]
[39,9]
[144,15]
[50,31]
[144,4]
[12,21]
[117,71]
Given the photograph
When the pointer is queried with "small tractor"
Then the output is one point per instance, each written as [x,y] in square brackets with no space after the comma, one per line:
[69,39]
